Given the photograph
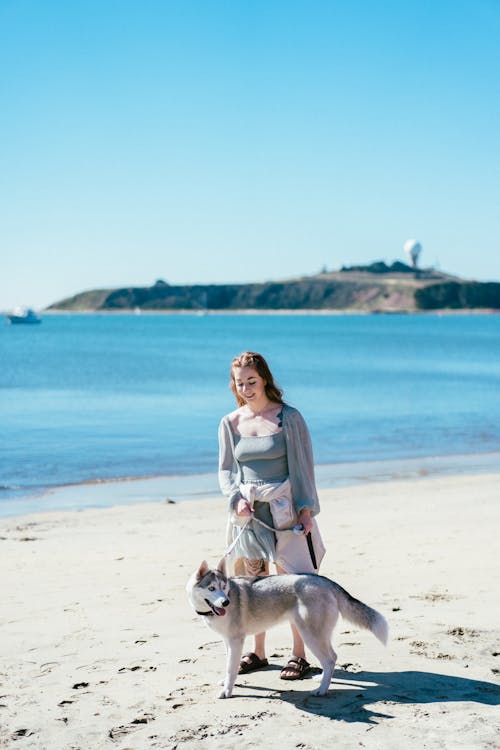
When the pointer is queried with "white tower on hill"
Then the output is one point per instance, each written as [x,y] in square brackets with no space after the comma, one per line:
[413,248]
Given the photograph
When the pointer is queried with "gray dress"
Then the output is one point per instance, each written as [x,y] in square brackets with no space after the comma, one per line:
[262,460]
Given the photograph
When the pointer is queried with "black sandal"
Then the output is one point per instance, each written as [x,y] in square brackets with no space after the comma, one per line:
[298,668]
[250,662]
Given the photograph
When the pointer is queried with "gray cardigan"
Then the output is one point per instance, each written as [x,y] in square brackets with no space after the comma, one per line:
[299,455]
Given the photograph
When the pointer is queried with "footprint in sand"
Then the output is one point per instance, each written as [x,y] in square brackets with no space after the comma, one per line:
[124,729]
[21,733]
[209,645]
[434,596]
[461,632]
[421,648]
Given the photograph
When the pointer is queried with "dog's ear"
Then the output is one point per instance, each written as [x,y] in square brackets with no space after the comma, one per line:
[202,570]
[221,566]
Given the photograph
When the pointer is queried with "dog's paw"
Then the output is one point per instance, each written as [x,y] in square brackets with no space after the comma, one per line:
[224,693]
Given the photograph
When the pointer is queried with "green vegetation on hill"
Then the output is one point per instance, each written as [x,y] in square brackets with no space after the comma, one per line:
[456,295]
[373,288]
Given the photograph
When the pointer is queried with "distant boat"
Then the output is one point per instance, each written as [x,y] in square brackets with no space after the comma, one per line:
[23,315]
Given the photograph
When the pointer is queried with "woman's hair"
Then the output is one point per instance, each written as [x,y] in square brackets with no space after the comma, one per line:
[257,361]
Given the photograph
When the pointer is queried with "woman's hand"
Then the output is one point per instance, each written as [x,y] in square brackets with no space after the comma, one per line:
[305,519]
[243,507]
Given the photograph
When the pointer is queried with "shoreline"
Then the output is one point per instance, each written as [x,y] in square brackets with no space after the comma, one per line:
[105,493]
[280,311]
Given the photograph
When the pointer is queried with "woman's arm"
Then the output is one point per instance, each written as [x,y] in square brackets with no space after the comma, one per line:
[228,469]
[300,462]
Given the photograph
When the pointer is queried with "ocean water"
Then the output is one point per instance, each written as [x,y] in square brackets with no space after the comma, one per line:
[85,398]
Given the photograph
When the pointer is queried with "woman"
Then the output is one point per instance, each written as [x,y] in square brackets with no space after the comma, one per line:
[266,470]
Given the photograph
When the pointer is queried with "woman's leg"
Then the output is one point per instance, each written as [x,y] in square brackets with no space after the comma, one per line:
[298,649]
[256,568]
[260,645]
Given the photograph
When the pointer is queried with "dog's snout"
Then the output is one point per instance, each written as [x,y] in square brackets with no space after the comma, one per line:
[221,600]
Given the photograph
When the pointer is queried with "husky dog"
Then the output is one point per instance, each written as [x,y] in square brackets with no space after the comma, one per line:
[237,607]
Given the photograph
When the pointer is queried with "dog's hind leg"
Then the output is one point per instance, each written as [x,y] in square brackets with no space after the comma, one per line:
[318,639]
[234,649]
[327,658]
[322,649]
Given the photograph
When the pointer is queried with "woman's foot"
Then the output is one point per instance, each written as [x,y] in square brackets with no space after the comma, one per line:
[250,662]
[296,669]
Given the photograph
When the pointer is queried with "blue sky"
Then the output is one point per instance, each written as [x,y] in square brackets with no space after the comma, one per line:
[243,140]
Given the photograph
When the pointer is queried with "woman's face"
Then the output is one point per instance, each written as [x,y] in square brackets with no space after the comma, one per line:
[249,384]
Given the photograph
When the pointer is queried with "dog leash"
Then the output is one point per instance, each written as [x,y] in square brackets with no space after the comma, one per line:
[298,529]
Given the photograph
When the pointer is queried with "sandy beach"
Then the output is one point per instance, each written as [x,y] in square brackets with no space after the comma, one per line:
[101,649]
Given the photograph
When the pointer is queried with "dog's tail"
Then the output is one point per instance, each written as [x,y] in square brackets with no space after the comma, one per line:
[362,615]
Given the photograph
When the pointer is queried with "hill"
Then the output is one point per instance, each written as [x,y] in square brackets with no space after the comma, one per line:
[373,288]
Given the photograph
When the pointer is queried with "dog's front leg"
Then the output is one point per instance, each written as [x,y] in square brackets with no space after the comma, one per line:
[234,649]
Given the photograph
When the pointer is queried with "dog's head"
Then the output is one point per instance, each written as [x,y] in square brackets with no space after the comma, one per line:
[208,590]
